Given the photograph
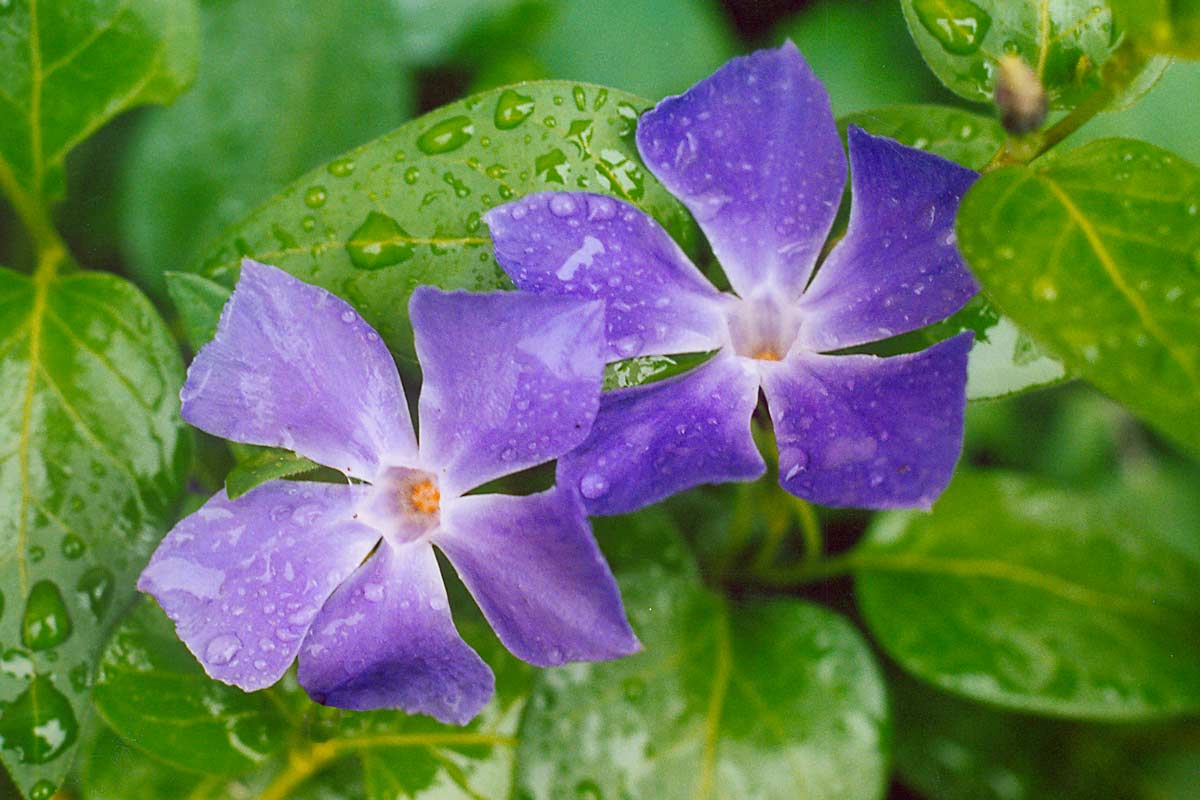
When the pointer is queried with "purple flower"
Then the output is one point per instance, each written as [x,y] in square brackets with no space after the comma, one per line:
[754,153]
[345,574]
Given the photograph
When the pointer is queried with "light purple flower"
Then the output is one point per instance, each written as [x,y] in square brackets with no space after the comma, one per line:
[344,575]
[754,153]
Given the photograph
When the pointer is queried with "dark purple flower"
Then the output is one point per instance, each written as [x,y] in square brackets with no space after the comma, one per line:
[345,574]
[754,153]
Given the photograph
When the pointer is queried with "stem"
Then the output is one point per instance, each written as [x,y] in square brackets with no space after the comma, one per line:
[52,253]
[808,572]
[810,530]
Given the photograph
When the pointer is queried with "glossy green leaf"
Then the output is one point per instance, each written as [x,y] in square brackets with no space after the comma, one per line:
[1065,42]
[641,370]
[1004,360]
[778,699]
[1097,255]
[649,537]
[405,210]
[264,464]
[1166,26]
[67,68]
[1036,599]
[92,460]
[154,693]
[110,768]
[199,302]
[270,102]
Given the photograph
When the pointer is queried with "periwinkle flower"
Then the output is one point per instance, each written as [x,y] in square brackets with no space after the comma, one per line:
[754,153]
[344,574]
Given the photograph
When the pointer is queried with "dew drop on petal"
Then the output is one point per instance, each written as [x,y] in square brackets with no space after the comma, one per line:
[221,649]
[593,485]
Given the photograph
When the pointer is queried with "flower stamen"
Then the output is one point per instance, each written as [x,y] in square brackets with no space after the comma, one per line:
[425,497]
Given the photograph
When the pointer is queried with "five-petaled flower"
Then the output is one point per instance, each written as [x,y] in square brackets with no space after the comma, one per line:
[754,153]
[344,574]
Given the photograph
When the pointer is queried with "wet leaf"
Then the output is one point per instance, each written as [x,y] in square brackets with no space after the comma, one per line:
[1167,26]
[641,370]
[778,699]
[1037,599]
[1097,255]
[262,465]
[199,302]
[67,68]
[92,460]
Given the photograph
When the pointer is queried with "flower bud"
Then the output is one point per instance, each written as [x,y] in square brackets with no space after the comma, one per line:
[1019,96]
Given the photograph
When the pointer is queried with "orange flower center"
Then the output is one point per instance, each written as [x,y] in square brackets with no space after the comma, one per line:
[767,355]
[425,497]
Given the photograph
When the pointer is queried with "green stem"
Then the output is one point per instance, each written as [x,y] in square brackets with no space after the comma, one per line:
[52,253]
[807,572]
[810,530]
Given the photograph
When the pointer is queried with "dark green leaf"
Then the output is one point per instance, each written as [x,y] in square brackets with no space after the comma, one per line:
[199,302]
[1003,361]
[776,699]
[1166,26]
[152,692]
[650,369]
[92,460]
[270,102]
[1036,599]
[67,68]
[266,464]
[1065,42]
[1097,255]
[111,769]
[633,542]
[405,209]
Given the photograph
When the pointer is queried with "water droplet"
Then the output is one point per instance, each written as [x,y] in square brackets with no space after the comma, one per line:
[221,649]
[42,790]
[958,25]
[341,167]
[17,663]
[512,109]
[308,223]
[460,188]
[96,586]
[373,592]
[36,553]
[72,546]
[6,6]
[412,175]
[379,242]
[552,167]
[80,677]
[315,197]
[562,205]
[449,134]
[46,623]
[39,724]
[1044,289]
[593,485]
[580,97]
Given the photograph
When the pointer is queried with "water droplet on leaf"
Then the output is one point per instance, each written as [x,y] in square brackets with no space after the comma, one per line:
[96,586]
[315,196]
[449,134]
[46,623]
[379,242]
[958,25]
[39,725]
[512,109]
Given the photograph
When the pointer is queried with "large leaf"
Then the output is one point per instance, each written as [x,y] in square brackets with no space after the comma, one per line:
[270,102]
[1168,26]
[1036,599]
[405,209]
[1064,41]
[92,459]
[66,68]
[1097,255]
[1003,361]
[777,699]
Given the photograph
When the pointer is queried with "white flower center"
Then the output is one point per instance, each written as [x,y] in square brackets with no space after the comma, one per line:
[404,504]
[761,328]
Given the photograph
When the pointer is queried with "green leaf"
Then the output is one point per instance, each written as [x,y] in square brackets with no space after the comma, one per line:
[1166,26]
[778,699]
[1065,42]
[67,68]
[199,302]
[405,210]
[1004,360]
[267,106]
[641,370]
[1097,255]
[650,537]
[265,464]
[111,769]
[1036,599]
[154,693]
[92,460]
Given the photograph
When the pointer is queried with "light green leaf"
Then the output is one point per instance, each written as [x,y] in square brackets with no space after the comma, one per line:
[641,370]
[1065,42]
[270,102]
[1036,599]
[262,465]
[1097,255]
[199,302]
[405,210]
[152,691]
[67,68]
[778,699]
[1166,26]
[92,460]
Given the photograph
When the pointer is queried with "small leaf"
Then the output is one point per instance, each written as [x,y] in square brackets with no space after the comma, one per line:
[265,464]
[778,699]
[1065,42]
[640,370]
[67,68]
[92,461]
[199,302]
[1035,599]
[405,210]
[153,692]
[1097,255]
[1166,26]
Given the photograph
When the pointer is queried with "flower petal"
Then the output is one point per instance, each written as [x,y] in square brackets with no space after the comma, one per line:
[386,640]
[293,366]
[532,565]
[511,380]
[753,151]
[243,579]
[897,268]
[593,247]
[867,431]
[652,441]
